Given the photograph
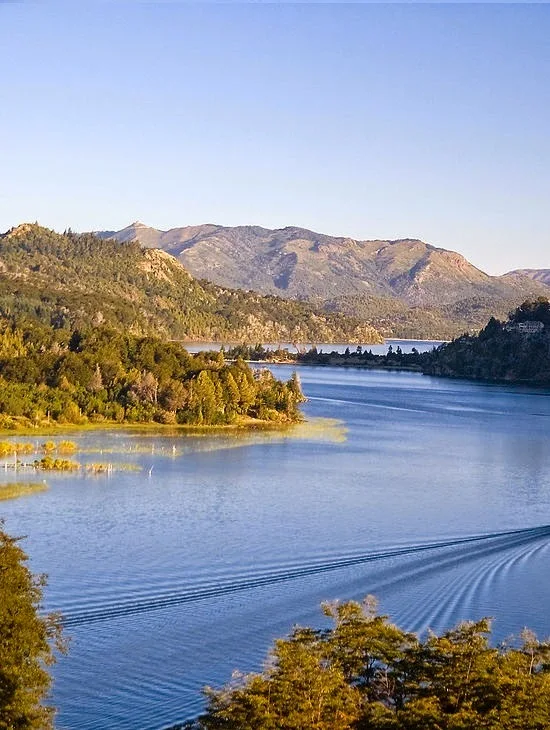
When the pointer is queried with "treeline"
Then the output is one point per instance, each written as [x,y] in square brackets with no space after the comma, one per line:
[76,280]
[365,673]
[503,351]
[393,359]
[100,374]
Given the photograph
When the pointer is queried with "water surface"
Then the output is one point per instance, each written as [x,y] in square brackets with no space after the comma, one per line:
[172,577]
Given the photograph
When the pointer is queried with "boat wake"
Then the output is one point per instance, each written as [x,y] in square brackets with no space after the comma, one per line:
[437,558]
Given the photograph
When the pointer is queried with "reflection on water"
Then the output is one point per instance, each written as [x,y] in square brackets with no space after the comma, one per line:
[432,494]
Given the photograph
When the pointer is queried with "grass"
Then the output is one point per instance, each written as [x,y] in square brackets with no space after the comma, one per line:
[21,489]
[23,427]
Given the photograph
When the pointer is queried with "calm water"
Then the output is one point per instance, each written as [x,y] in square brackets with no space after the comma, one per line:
[172,577]
[405,345]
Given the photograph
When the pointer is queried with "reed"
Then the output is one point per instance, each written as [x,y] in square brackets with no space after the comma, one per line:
[21,489]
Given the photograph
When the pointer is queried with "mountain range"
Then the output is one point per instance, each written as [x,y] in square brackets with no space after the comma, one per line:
[404,287]
[76,280]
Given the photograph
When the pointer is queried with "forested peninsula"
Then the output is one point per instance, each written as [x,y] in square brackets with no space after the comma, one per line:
[514,351]
[54,376]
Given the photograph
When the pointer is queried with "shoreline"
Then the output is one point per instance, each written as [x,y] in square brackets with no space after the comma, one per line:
[60,429]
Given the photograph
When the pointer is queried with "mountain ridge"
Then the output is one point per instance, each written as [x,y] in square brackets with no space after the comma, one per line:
[298,263]
[405,287]
[79,279]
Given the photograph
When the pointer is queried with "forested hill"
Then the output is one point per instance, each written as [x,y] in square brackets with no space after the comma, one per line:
[516,351]
[76,280]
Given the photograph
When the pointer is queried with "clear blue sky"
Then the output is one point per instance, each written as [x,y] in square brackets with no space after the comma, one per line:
[369,121]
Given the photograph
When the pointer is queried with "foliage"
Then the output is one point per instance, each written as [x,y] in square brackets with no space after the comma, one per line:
[75,281]
[101,374]
[26,643]
[501,351]
[47,463]
[364,673]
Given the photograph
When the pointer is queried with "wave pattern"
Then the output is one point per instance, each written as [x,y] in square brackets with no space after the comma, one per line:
[482,545]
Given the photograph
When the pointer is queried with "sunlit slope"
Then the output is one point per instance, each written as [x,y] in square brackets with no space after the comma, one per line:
[76,280]
[298,263]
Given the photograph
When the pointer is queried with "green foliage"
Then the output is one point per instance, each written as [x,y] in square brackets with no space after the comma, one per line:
[100,374]
[537,310]
[26,641]
[74,282]
[364,673]
[502,352]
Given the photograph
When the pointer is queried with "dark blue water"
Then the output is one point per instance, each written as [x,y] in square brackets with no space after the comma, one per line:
[172,577]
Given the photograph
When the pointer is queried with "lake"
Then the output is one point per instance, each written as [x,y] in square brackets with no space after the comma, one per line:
[405,345]
[174,576]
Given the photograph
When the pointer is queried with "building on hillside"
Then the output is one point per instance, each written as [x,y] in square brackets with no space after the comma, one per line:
[525,328]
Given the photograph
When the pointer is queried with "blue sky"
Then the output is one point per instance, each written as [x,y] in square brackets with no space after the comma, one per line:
[369,121]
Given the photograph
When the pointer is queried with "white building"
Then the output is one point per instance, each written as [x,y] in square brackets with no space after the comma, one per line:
[525,328]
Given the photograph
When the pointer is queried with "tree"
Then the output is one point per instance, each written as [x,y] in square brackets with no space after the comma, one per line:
[366,674]
[301,689]
[26,643]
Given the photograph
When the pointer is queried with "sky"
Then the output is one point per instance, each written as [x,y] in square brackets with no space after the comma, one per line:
[369,121]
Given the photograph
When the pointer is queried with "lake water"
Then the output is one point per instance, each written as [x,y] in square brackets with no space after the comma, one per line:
[172,577]
[405,345]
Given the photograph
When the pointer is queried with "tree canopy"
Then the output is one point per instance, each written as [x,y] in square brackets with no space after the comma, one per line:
[27,642]
[100,374]
[364,673]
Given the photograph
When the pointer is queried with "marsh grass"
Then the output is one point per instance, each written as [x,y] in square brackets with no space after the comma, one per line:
[109,468]
[21,489]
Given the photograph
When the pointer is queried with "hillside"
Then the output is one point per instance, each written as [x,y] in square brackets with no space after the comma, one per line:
[408,288]
[540,275]
[297,263]
[73,280]
[517,350]
[394,318]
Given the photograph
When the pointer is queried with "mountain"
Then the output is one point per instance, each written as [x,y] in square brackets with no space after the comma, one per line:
[405,288]
[74,280]
[540,275]
[298,263]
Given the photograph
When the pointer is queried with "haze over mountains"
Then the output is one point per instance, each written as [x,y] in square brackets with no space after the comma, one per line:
[405,287]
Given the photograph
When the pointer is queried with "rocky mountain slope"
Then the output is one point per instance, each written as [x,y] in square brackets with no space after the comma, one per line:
[74,280]
[297,263]
[540,275]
